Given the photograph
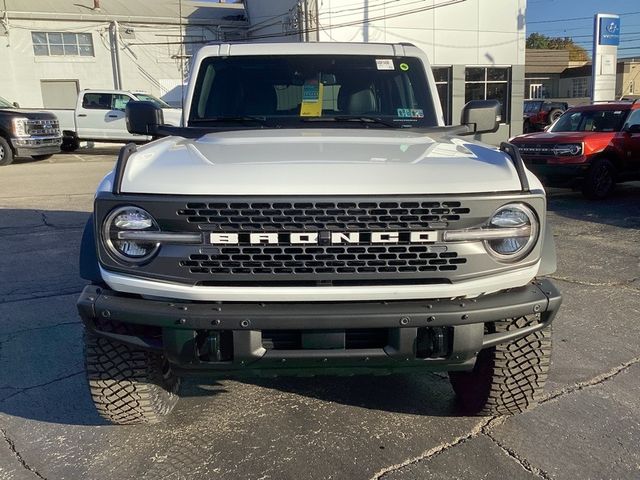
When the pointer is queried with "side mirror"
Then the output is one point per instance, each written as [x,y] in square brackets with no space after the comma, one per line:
[481,116]
[143,118]
[16,104]
[631,129]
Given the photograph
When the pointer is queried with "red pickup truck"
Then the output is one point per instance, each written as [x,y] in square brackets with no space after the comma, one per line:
[593,146]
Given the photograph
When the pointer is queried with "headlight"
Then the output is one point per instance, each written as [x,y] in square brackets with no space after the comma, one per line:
[129,219]
[520,223]
[567,149]
[20,127]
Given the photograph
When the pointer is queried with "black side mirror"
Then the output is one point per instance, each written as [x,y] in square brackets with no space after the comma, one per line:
[632,128]
[16,104]
[481,116]
[143,118]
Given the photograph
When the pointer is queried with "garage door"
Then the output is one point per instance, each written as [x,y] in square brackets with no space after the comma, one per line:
[59,93]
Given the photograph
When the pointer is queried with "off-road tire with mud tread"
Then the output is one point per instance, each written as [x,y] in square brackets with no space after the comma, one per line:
[129,385]
[508,378]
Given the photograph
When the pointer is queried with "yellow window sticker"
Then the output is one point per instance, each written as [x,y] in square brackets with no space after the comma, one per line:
[311,99]
[404,67]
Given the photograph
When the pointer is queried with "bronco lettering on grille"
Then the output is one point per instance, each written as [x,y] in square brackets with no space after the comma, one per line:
[322,238]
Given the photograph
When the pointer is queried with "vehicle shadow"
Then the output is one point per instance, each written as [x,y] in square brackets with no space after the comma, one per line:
[622,209]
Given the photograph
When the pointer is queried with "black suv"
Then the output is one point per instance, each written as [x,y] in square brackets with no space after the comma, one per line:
[540,113]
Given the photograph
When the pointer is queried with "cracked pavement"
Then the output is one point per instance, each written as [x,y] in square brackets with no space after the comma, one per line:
[397,427]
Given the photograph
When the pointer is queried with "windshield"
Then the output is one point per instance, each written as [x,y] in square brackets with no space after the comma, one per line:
[145,97]
[532,107]
[5,103]
[307,90]
[591,121]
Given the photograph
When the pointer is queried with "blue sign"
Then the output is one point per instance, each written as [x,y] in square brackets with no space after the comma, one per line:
[609,31]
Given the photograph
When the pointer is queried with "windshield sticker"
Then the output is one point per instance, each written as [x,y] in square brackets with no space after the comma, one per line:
[384,64]
[404,67]
[311,99]
[410,112]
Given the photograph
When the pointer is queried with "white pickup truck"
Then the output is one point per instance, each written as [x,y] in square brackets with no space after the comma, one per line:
[99,116]
[314,215]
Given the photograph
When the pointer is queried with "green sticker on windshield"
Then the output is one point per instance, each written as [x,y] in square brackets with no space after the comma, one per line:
[404,67]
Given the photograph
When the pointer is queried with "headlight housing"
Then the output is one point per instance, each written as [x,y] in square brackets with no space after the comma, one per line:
[20,127]
[515,217]
[567,149]
[129,219]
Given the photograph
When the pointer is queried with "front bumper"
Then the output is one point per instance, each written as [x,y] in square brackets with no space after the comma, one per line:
[229,339]
[27,147]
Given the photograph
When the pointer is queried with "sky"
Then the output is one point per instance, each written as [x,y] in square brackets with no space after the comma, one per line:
[566,18]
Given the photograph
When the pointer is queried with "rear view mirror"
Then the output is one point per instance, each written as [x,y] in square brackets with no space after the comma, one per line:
[481,116]
[16,104]
[143,118]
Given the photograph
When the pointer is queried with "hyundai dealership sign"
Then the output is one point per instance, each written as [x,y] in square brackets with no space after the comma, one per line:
[606,37]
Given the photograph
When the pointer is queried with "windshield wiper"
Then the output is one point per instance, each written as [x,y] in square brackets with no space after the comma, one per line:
[354,118]
[234,119]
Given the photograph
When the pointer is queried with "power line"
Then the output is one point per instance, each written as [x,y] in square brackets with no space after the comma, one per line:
[577,18]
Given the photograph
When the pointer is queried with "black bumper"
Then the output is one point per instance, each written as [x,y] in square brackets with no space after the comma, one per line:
[34,147]
[557,175]
[244,338]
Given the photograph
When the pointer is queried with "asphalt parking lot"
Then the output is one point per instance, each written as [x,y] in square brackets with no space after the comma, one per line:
[396,427]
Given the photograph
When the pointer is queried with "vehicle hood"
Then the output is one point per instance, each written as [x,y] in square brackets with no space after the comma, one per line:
[559,137]
[318,162]
[30,114]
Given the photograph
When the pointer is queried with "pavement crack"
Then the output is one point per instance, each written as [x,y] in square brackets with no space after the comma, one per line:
[523,462]
[591,382]
[72,291]
[625,283]
[16,453]
[32,387]
[438,449]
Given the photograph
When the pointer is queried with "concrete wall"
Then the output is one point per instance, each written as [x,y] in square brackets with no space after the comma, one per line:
[148,67]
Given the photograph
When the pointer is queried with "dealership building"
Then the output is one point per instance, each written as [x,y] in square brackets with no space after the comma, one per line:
[53,49]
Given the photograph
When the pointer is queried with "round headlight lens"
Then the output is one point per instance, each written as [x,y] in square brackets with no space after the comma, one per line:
[127,219]
[515,215]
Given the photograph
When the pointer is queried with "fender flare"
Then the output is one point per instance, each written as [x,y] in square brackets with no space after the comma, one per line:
[549,261]
[89,266]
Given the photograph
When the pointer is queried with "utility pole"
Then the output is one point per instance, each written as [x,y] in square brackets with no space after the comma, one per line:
[114,34]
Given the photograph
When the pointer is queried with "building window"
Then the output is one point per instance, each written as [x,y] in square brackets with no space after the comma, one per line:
[489,83]
[579,87]
[442,76]
[59,44]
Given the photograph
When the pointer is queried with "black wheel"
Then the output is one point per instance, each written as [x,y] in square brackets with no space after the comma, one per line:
[41,157]
[69,144]
[600,180]
[554,115]
[6,154]
[129,385]
[508,378]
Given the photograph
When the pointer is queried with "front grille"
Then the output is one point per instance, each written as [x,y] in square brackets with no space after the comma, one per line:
[318,216]
[274,260]
[42,128]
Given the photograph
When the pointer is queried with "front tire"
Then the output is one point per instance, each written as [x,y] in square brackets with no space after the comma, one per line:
[129,385]
[600,180]
[6,154]
[508,378]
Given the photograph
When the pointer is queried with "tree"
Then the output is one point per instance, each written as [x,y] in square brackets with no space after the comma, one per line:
[539,41]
